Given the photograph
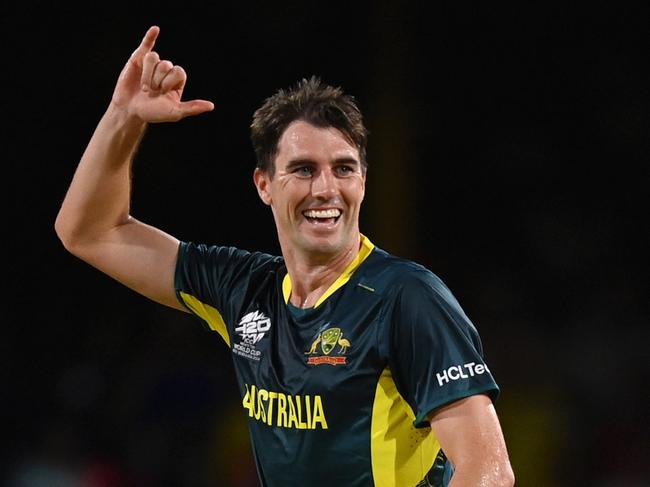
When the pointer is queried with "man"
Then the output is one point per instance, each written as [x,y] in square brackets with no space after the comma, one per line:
[355,367]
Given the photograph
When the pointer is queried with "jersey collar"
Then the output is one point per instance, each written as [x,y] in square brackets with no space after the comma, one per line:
[366,248]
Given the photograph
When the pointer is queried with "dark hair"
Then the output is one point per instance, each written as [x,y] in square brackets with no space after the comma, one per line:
[314,102]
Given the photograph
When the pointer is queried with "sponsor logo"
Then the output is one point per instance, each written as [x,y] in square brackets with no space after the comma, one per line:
[457,372]
[252,328]
[325,343]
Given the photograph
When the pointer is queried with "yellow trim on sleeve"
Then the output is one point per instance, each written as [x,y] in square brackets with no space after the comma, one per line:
[209,314]
[366,248]
[400,453]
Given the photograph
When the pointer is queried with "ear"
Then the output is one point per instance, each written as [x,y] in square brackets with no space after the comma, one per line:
[263,184]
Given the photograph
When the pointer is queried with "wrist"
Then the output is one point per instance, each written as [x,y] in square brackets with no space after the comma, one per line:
[123,118]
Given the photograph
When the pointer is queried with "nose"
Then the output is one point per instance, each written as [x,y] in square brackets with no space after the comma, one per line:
[323,185]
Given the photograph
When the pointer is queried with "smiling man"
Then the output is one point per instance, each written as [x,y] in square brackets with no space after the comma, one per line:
[314,187]
[355,367]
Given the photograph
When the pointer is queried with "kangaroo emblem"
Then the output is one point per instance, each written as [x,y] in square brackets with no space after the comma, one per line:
[328,340]
[314,345]
[322,350]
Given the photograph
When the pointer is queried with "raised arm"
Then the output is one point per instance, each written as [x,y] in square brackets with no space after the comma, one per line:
[94,221]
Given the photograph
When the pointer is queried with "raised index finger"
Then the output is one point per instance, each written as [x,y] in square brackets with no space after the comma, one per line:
[147,43]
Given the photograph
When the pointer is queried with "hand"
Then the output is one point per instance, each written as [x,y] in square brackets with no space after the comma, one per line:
[151,89]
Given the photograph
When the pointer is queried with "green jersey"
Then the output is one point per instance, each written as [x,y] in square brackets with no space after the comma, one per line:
[339,394]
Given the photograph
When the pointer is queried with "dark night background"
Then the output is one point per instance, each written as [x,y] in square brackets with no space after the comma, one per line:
[508,153]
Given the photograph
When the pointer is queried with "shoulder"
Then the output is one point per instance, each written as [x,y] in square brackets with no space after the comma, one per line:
[216,254]
[397,276]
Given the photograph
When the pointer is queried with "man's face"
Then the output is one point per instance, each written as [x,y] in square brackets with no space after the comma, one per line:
[316,191]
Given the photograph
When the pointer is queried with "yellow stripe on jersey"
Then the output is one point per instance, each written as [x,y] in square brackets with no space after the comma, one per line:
[366,248]
[401,454]
[209,314]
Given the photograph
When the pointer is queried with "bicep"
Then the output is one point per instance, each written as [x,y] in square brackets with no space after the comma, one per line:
[470,435]
[139,256]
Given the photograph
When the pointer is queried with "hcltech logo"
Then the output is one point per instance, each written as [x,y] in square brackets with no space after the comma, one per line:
[251,329]
[464,371]
[328,340]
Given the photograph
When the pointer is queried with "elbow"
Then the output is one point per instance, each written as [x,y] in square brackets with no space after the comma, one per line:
[66,234]
[506,476]
[60,230]
[63,232]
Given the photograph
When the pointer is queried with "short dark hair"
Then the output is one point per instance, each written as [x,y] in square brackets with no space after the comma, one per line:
[314,102]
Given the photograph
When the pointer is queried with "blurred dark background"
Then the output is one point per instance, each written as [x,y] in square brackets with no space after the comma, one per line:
[508,153]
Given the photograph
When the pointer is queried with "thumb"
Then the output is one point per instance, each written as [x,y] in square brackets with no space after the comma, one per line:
[194,107]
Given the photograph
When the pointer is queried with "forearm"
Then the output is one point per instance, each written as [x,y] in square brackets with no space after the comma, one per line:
[98,198]
[94,222]
[470,435]
[483,474]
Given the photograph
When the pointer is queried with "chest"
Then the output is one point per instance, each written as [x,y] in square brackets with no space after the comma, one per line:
[334,349]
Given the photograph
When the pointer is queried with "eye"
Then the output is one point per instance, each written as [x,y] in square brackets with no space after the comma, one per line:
[304,171]
[344,170]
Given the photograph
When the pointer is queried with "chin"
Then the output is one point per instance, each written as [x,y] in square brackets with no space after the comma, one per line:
[323,245]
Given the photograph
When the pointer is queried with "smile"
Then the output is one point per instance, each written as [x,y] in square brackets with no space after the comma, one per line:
[330,215]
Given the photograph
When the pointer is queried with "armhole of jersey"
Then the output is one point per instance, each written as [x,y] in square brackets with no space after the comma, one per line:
[208,313]
[490,390]
[401,454]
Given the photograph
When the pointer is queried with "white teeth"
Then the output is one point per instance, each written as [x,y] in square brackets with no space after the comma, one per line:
[333,213]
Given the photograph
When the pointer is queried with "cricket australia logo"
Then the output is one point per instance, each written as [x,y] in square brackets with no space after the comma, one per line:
[325,343]
[252,328]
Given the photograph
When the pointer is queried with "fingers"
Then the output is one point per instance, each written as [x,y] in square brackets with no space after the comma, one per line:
[151,59]
[162,70]
[174,79]
[162,75]
[148,41]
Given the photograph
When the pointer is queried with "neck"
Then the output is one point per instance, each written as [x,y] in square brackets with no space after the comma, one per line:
[311,275]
